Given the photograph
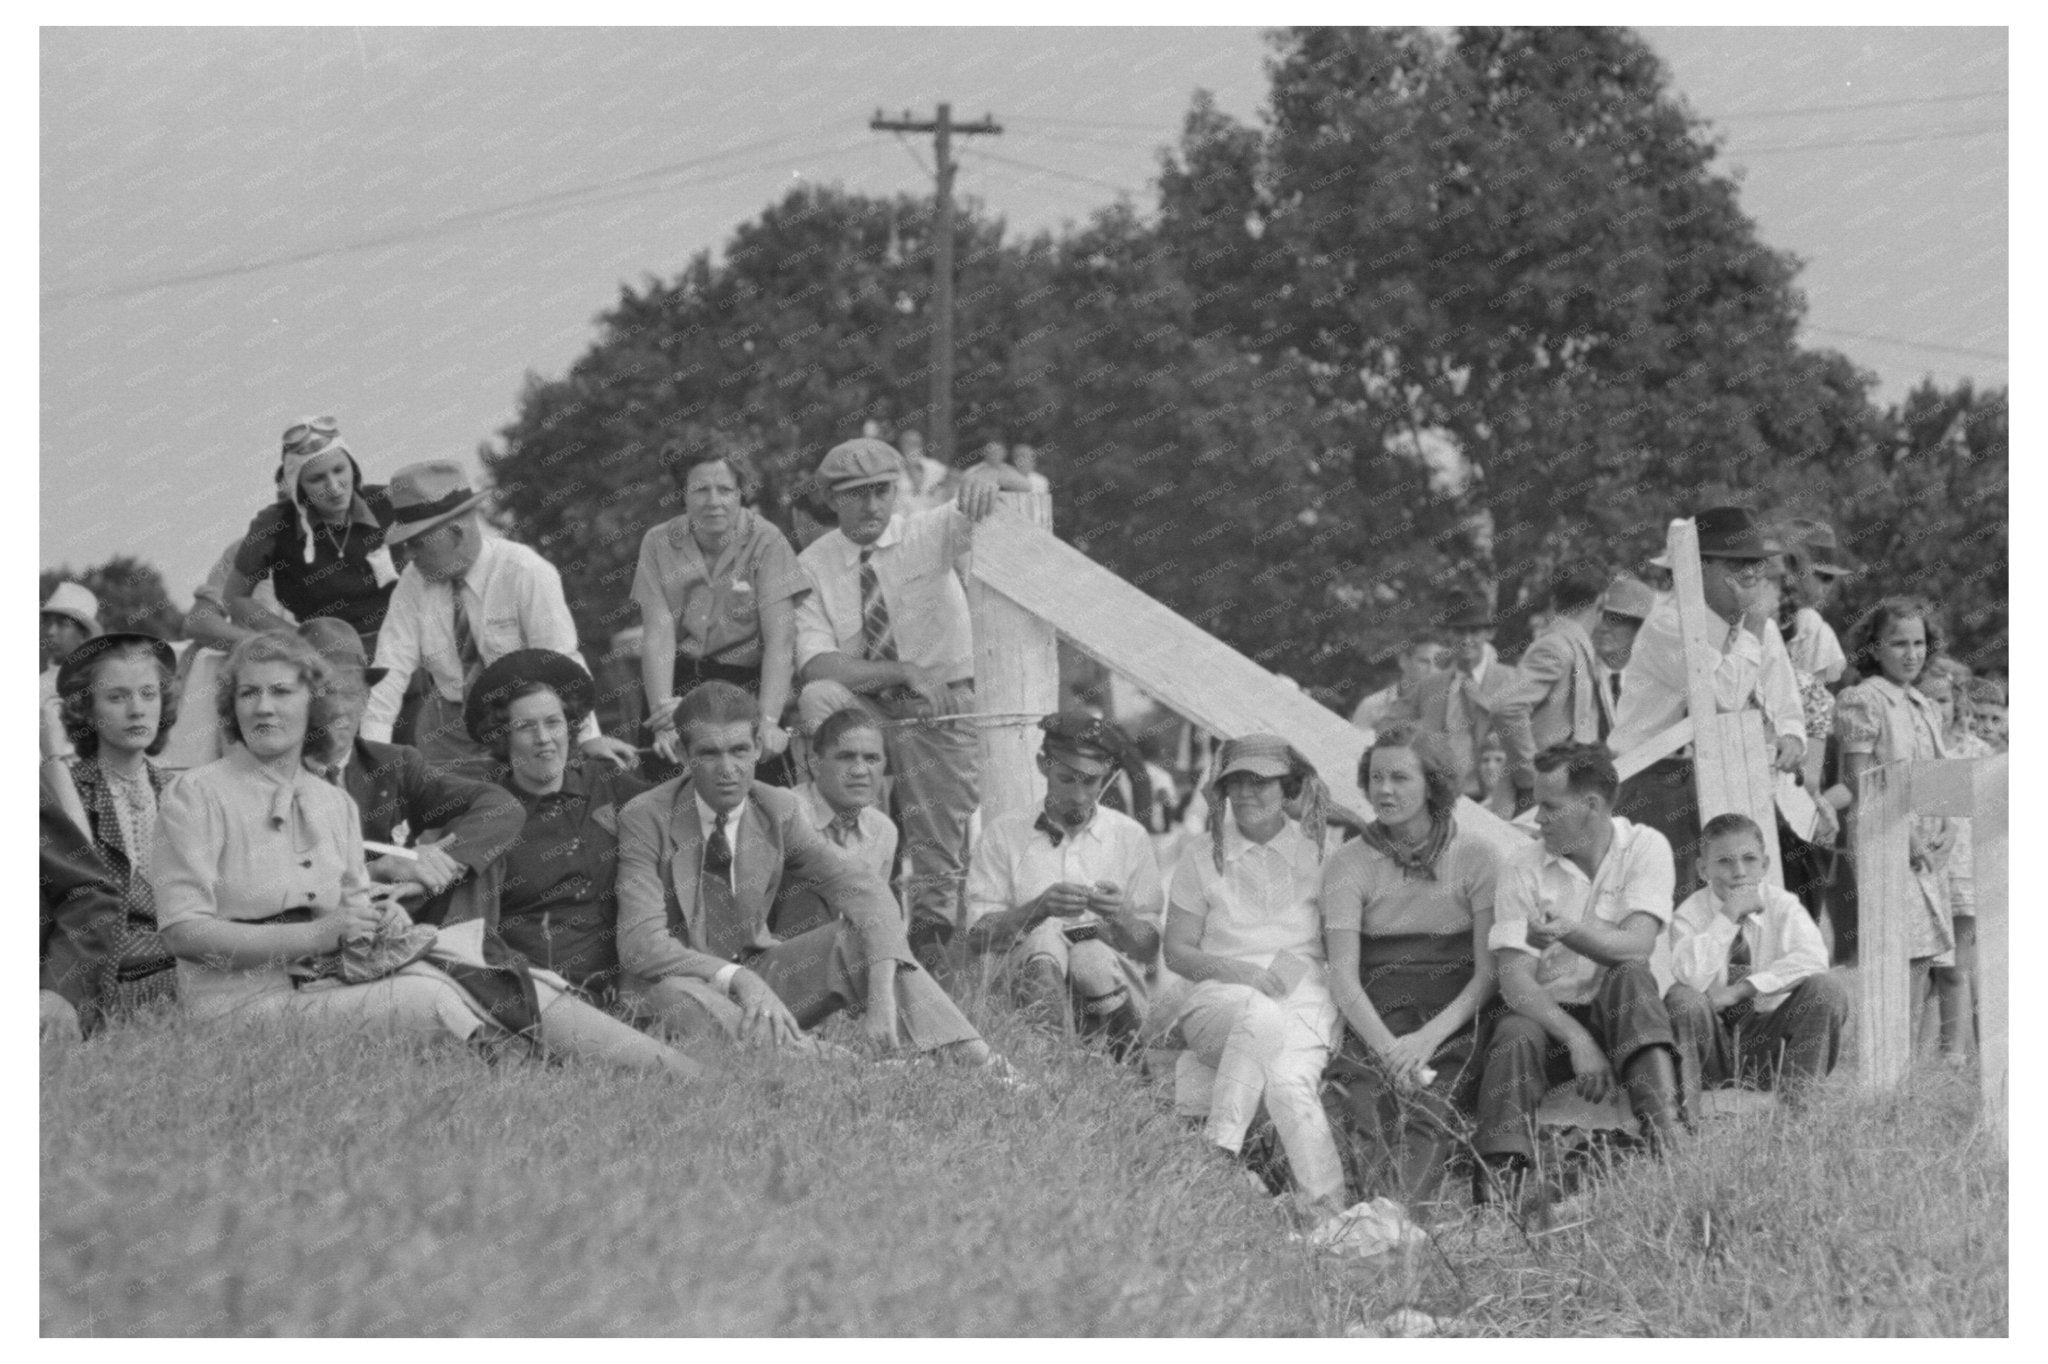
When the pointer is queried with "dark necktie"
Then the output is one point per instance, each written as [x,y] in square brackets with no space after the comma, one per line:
[1614,686]
[1738,958]
[878,640]
[727,931]
[718,852]
[844,829]
[1049,829]
[465,639]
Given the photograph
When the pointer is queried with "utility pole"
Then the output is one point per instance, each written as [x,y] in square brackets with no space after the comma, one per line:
[942,129]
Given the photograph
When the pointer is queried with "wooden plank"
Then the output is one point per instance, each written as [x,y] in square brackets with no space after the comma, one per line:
[1187,669]
[1016,670]
[1989,838]
[1885,891]
[1654,750]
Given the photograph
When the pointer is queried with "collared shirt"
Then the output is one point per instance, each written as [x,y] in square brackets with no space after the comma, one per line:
[913,562]
[1015,862]
[1888,722]
[1784,944]
[1635,877]
[1813,647]
[514,601]
[707,820]
[1653,687]
[1264,901]
[874,839]
[238,841]
[717,605]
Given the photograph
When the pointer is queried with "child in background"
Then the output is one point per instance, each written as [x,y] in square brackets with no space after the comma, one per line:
[1987,711]
[1752,1003]
[1947,684]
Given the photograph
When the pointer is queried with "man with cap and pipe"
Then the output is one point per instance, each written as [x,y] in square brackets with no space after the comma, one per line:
[1464,704]
[886,618]
[1072,890]
[400,797]
[1737,560]
[464,601]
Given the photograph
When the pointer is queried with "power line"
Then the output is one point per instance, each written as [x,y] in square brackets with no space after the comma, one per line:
[515,210]
[917,160]
[1791,110]
[1083,122]
[1048,170]
[1972,351]
[1980,130]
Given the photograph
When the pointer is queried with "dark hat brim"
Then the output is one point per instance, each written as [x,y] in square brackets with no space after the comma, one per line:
[560,673]
[399,531]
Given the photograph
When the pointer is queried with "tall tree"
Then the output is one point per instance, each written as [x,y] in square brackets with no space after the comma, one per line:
[131,595]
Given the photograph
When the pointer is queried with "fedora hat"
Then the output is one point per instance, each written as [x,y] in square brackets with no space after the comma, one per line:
[559,673]
[75,602]
[338,643]
[1734,533]
[1629,597]
[425,495]
[72,670]
[1468,611]
[1818,539]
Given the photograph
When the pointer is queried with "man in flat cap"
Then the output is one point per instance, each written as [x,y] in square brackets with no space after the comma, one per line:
[1738,564]
[464,601]
[886,618]
[1072,890]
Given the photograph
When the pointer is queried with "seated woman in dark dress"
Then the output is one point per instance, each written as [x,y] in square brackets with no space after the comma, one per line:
[1406,910]
[320,542]
[555,902]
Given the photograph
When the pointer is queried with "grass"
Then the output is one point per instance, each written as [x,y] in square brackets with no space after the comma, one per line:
[202,1179]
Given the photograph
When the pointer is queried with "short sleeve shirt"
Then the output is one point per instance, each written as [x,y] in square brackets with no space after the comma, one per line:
[1262,903]
[1015,862]
[716,605]
[1635,877]
[1365,892]
[1890,723]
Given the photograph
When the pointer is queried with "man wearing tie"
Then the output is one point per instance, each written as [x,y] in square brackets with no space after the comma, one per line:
[1557,697]
[463,601]
[399,797]
[1622,612]
[1464,704]
[702,861]
[886,619]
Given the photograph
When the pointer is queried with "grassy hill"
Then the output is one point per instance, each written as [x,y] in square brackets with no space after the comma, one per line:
[200,1179]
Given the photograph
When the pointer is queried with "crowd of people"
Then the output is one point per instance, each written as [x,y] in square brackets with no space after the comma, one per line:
[374,787]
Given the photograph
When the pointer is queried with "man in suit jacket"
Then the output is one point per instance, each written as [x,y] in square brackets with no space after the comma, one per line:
[1464,704]
[702,861]
[400,797]
[1557,698]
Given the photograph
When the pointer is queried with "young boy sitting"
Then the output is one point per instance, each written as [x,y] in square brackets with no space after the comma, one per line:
[1753,1003]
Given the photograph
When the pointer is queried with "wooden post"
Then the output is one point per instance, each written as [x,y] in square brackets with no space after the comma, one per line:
[1885,891]
[1988,828]
[1016,669]
[1731,753]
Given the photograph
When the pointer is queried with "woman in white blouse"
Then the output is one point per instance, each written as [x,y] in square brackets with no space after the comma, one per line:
[1242,923]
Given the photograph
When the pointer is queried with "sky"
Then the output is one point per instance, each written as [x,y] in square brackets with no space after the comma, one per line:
[241,227]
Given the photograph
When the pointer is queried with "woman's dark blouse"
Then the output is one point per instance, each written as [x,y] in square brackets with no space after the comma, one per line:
[340,581]
[557,904]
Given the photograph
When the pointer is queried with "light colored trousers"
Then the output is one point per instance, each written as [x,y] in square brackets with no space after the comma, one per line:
[1275,1050]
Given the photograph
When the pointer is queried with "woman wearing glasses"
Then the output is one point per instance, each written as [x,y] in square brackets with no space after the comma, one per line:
[320,543]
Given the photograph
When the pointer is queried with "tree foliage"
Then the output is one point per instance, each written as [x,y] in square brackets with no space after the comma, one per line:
[131,595]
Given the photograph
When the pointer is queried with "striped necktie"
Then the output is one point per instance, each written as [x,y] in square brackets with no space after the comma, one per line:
[878,641]
[1739,962]
[465,638]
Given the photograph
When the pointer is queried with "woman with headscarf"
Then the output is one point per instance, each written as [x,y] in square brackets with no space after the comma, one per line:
[717,589]
[1242,924]
[1406,911]
[320,542]
[119,703]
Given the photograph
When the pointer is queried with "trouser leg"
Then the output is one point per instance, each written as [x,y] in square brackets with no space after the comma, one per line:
[1630,1021]
[419,999]
[938,774]
[1294,1082]
[1522,1063]
[570,1027]
[1842,907]
[1956,988]
[688,1011]
[1038,969]
[1800,1041]
[1110,991]
[1701,1044]
[1209,1026]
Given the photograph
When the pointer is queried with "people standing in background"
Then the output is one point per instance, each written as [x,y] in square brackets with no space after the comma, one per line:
[1420,658]
[717,589]
[1557,697]
[321,543]
[1464,704]
[927,482]
[1623,610]
[1024,458]
[464,602]
[70,618]
[1988,717]
[1945,681]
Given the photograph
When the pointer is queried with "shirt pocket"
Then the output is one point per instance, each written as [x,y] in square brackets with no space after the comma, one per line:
[502,635]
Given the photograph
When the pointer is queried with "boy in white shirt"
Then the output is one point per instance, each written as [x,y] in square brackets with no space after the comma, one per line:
[1753,1003]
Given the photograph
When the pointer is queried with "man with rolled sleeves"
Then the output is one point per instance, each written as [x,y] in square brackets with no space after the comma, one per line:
[886,621]
[1577,922]
[1072,891]
[1557,697]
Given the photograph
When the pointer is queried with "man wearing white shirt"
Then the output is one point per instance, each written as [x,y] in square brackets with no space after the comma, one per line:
[886,620]
[1577,919]
[1737,558]
[463,602]
[1072,890]
[1752,1001]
